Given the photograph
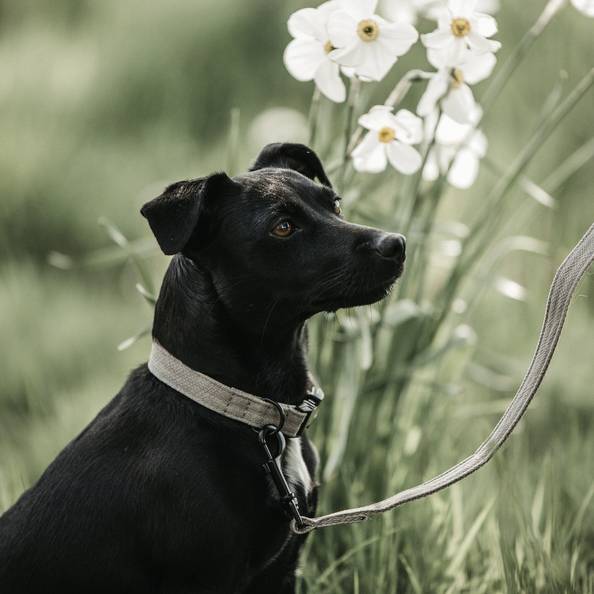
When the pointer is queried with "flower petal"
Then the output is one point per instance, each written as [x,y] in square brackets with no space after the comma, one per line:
[431,169]
[370,154]
[459,104]
[477,67]
[478,144]
[359,9]
[397,37]
[488,6]
[350,56]
[485,24]
[450,132]
[464,170]
[409,127]
[303,57]
[342,29]
[584,6]
[438,39]
[436,58]
[376,118]
[404,157]
[462,8]
[445,155]
[429,123]
[327,7]
[438,12]
[480,44]
[348,71]
[306,23]
[328,80]
[376,60]
[456,52]
[404,11]
[436,88]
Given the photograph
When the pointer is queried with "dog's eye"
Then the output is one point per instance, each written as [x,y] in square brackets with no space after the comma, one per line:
[284,229]
[337,209]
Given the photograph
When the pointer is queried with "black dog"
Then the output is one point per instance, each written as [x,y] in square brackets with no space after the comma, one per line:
[158,494]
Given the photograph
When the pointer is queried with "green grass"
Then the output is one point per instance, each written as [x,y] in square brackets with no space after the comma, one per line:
[105,103]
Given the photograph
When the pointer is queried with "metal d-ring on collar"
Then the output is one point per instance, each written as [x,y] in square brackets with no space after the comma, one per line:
[272,465]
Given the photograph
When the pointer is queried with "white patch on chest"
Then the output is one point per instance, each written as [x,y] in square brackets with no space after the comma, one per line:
[294,466]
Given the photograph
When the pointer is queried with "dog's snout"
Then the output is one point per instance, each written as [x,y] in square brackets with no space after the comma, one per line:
[392,246]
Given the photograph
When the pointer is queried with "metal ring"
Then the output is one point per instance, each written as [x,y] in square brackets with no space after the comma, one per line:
[281,412]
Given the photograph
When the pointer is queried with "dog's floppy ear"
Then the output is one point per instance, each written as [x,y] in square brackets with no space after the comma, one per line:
[174,214]
[298,157]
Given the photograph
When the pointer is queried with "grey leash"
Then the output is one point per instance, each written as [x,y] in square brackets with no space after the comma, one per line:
[566,279]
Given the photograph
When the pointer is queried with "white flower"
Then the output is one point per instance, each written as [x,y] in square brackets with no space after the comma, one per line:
[389,139]
[585,6]
[365,41]
[438,8]
[404,11]
[457,147]
[307,57]
[450,85]
[462,29]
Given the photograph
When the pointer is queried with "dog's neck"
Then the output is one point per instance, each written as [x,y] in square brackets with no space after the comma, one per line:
[192,323]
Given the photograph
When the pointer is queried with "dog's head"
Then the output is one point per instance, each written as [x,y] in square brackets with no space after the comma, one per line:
[274,237]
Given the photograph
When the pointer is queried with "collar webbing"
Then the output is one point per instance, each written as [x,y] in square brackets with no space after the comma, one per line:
[231,402]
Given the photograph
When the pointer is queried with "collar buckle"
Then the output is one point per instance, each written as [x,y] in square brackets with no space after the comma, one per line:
[309,406]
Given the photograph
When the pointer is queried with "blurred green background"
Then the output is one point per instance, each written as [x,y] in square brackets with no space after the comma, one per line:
[103,103]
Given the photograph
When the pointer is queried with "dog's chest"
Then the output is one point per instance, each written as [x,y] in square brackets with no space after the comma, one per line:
[295,469]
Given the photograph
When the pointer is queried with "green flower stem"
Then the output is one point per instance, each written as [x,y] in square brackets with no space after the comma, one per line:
[490,217]
[437,191]
[354,89]
[416,200]
[503,75]
[548,125]
[314,110]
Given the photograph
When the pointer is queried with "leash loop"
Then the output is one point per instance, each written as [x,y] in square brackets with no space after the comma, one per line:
[562,288]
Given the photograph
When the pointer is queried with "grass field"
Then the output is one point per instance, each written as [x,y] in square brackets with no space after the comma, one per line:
[104,103]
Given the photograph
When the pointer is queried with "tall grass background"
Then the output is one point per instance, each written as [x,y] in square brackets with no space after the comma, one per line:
[105,103]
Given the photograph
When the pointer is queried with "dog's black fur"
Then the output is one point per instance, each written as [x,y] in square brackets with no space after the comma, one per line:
[158,494]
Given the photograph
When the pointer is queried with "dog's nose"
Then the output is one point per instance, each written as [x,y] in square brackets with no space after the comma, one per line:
[391,245]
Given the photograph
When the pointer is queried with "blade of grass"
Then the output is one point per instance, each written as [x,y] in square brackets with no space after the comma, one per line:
[489,218]
[233,141]
[547,126]
[472,533]
[503,74]
[573,163]
[149,297]
[126,344]
[119,239]
[327,573]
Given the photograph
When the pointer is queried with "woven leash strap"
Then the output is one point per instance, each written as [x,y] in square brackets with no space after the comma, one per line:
[564,284]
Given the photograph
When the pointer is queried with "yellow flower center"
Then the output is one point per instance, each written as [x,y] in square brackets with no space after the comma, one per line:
[460,27]
[368,30]
[457,78]
[328,47]
[386,134]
